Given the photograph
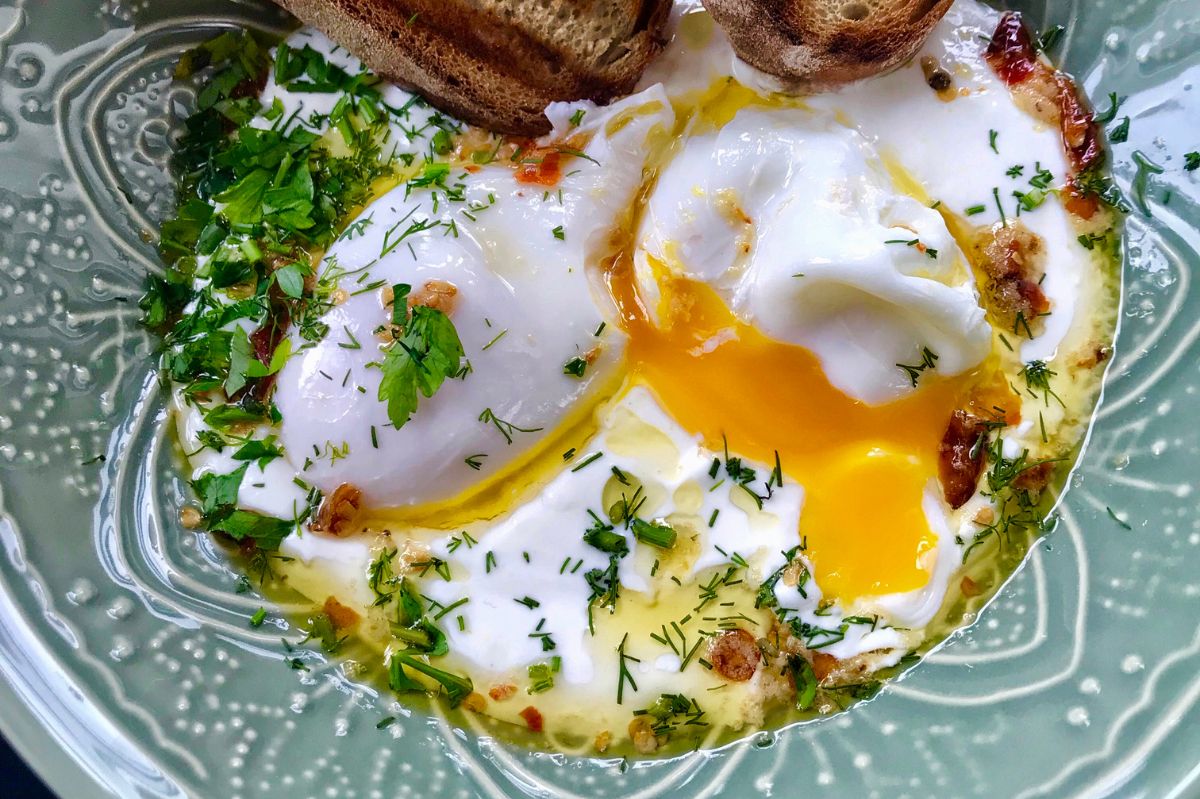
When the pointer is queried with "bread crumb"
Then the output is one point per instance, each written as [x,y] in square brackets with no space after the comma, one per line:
[641,732]
[338,511]
[190,517]
[474,702]
[341,616]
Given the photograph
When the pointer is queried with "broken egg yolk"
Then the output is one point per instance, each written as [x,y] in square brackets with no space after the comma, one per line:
[865,469]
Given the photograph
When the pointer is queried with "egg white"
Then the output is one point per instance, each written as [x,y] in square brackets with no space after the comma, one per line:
[816,183]
[524,306]
[792,218]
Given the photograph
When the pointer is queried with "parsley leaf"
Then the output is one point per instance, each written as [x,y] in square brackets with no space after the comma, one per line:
[263,451]
[218,490]
[241,355]
[243,201]
[243,365]
[290,279]
[267,531]
[426,353]
[218,495]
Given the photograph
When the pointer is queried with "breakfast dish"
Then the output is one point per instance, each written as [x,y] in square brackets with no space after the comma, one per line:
[712,408]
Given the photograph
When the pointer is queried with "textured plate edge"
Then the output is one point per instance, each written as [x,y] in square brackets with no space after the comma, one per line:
[50,765]
[29,735]
[42,739]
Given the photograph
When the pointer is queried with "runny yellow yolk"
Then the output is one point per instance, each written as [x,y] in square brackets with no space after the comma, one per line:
[864,468]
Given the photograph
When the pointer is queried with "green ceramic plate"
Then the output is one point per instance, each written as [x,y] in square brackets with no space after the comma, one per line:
[128,666]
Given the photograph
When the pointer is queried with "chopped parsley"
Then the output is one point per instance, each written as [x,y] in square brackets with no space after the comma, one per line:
[1048,39]
[1141,179]
[261,194]
[456,687]
[424,352]
[805,680]
[412,627]
[671,711]
[1109,114]
[541,675]
[1112,515]
[914,371]
[575,367]
[1120,134]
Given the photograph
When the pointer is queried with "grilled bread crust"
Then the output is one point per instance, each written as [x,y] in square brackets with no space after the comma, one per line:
[497,63]
[822,43]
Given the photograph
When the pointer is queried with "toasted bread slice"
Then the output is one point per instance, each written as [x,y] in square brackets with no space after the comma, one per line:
[497,63]
[821,43]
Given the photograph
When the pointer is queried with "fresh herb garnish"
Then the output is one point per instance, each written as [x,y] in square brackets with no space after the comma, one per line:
[1120,134]
[1141,179]
[1049,38]
[506,428]
[1112,515]
[541,675]
[425,351]
[575,367]
[914,371]
[657,533]
[671,711]
[624,675]
[1037,380]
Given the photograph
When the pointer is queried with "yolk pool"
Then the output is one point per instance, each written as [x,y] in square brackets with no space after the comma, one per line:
[864,468]
[871,539]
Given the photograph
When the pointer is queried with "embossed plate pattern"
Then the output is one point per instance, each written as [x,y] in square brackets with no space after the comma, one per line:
[128,665]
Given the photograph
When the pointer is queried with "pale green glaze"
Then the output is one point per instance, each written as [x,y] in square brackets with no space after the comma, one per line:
[122,640]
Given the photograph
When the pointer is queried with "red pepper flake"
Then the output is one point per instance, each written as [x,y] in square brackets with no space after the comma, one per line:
[960,457]
[1079,132]
[533,719]
[1082,205]
[1011,51]
[501,692]
[541,168]
[1012,55]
